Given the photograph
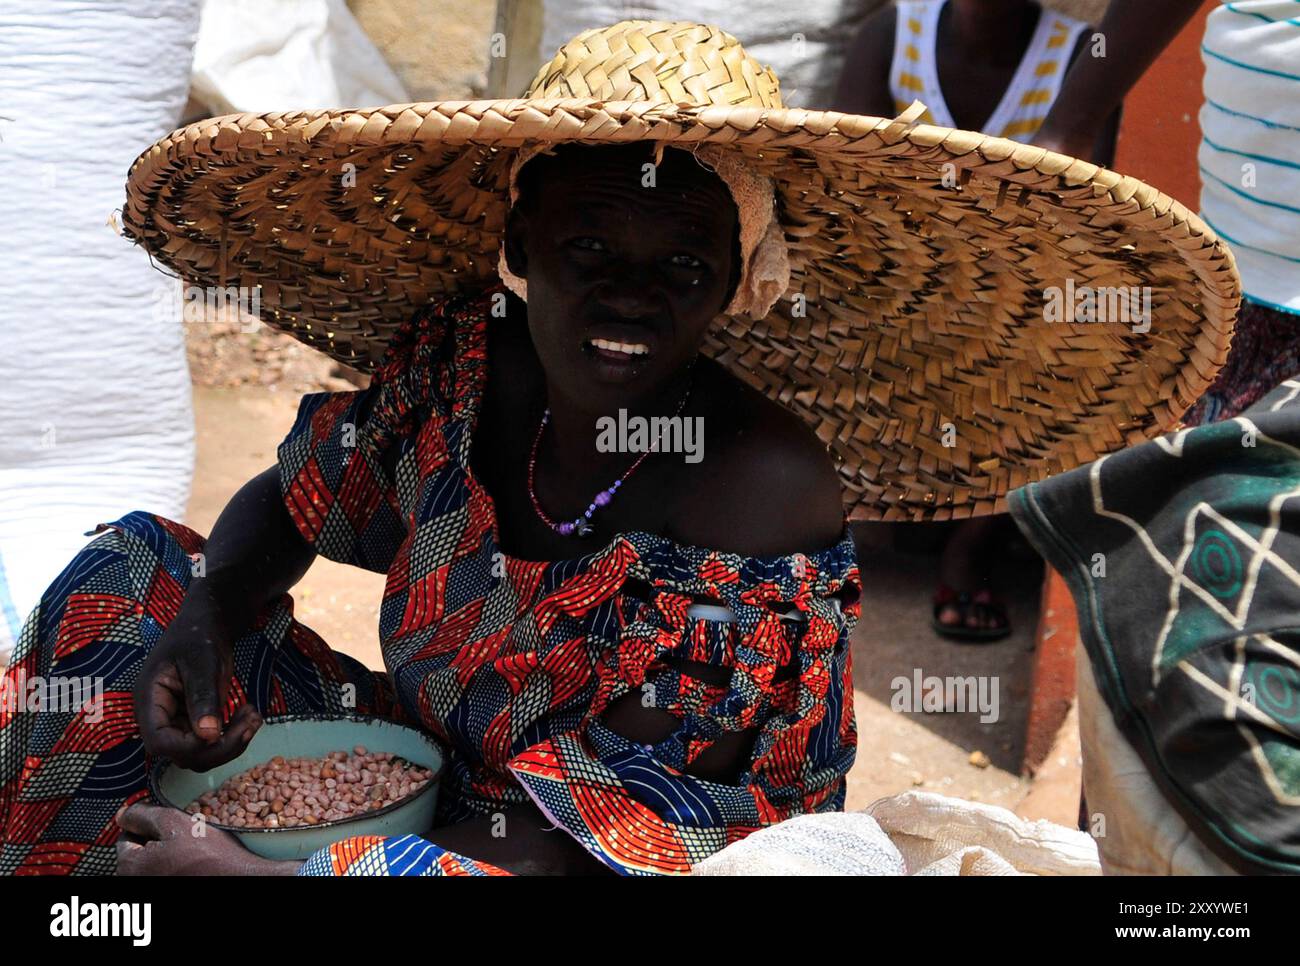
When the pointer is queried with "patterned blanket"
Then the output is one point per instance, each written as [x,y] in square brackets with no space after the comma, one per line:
[1183,555]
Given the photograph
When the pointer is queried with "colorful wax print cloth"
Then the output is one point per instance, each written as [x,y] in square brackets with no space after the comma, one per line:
[1265,352]
[511,663]
[70,751]
[364,855]
[1183,556]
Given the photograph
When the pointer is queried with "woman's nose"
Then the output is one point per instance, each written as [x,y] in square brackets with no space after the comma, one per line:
[632,290]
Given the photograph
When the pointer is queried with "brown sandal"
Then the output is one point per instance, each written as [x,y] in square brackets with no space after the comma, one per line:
[945,596]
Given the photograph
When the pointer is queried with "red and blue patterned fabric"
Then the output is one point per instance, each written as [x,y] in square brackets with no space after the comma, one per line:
[511,663]
[392,855]
[68,766]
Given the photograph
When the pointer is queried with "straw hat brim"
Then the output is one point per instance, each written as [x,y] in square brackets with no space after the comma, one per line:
[913,337]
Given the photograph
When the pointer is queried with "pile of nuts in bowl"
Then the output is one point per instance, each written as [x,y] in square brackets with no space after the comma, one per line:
[295,792]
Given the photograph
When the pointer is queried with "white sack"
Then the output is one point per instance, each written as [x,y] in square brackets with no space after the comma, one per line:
[94,390]
[278,55]
[912,833]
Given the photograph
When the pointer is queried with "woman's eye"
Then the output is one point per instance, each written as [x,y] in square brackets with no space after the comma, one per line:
[686,261]
[589,244]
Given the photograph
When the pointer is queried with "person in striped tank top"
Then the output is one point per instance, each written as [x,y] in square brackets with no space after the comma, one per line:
[984,65]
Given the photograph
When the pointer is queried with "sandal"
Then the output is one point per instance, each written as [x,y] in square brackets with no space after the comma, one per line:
[945,596]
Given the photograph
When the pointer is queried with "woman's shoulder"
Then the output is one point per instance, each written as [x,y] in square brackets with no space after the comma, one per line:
[437,357]
[767,485]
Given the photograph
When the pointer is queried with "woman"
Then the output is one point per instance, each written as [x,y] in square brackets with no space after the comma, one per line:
[607,262]
[645,650]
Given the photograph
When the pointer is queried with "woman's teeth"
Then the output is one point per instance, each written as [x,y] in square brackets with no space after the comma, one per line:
[626,348]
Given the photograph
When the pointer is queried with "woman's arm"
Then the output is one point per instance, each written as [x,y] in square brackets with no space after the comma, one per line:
[254,555]
[864,80]
[1135,33]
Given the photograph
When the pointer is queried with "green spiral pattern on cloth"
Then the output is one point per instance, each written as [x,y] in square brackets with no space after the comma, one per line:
[1216,564]
[1277,692]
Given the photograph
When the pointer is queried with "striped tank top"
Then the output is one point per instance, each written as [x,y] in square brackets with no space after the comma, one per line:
[914,73]
[1250,150]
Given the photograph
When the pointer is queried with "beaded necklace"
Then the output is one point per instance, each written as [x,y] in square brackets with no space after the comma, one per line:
[582,525]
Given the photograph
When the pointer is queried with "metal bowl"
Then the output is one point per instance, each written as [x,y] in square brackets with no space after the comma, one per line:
[314,736]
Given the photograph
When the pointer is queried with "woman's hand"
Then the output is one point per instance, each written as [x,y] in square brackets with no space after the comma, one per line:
[1076,143]
[166,841]
[182,689]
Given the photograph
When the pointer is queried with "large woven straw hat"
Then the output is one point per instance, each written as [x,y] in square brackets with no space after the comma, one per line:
[917,335]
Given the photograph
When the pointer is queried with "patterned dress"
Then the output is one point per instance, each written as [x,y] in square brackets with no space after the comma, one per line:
[510,663]
[1265,353]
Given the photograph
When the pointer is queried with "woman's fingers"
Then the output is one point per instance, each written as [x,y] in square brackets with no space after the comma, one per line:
[160,712]
[163,724]
[174,740]
[202,755]
[163,697]
[129,855]
[151,821]
[165,718]
[204,679]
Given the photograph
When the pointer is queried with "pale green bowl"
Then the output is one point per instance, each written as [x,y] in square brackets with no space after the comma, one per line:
[298,736]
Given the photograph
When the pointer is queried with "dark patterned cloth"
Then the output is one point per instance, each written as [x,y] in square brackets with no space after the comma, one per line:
[1183,556]
[510,663]
[1265,351]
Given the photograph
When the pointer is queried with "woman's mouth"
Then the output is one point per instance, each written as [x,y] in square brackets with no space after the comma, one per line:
[619,351]
[614,351]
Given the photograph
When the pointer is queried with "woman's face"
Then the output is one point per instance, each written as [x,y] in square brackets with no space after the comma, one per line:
[626,264]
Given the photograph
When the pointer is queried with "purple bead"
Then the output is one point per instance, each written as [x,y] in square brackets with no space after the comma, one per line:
[565,528]
[602,498]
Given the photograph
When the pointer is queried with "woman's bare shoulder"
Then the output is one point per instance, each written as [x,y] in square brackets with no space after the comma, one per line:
[766,485]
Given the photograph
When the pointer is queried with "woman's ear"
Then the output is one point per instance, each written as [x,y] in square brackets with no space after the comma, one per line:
[516,236]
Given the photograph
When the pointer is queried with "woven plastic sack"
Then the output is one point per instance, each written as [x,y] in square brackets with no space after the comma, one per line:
[94,390]
[913,833]
[939,835]
[836,843]
[275,55]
